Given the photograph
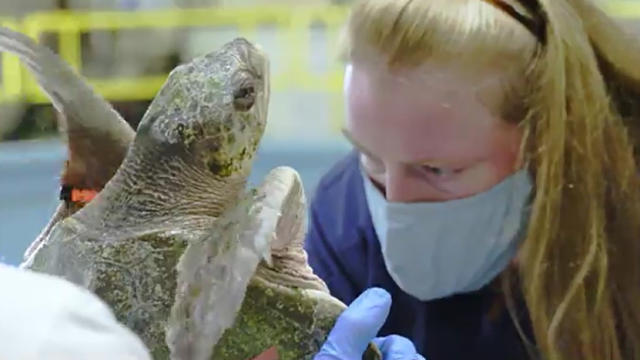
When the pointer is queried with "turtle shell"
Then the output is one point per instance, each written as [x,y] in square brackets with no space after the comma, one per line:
[206,293]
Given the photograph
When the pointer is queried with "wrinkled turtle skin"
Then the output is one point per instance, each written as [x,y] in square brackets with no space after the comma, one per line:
[188,259]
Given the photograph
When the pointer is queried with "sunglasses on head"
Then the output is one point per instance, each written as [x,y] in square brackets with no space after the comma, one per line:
[533,17]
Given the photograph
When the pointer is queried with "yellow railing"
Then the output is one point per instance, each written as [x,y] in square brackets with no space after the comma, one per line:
[623,9]
[11,87]
[293,23]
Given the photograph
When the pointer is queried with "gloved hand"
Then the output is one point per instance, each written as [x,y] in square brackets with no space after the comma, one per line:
[359,324]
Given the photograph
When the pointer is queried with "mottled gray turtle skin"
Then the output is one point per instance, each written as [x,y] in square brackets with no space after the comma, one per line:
[180,188]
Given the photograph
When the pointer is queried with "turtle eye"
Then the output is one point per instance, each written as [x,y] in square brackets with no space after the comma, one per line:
[180,130]
[244,98]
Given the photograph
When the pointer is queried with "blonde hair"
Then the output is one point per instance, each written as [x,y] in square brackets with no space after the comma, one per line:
[577,83]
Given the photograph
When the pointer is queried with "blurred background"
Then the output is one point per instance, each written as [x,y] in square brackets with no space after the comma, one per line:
[125,49]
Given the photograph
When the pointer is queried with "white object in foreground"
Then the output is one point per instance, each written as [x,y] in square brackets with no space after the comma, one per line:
[47,317]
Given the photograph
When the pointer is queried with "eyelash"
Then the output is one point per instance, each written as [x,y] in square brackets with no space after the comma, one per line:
[441,172]
[434,170]
[376,166]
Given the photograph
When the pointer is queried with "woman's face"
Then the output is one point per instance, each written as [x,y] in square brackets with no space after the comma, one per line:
[430,133]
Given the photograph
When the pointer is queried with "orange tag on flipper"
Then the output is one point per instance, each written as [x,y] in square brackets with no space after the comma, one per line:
[269,354]
[83,196]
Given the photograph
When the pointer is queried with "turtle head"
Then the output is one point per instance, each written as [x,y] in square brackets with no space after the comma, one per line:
[213,109]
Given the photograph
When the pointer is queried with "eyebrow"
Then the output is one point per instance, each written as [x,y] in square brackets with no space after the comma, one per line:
[364,150]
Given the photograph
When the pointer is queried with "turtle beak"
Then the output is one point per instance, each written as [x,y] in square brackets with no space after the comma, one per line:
[266,70]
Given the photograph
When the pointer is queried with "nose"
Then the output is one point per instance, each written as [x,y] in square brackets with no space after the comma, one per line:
[242,48]
[399,186]
[403,185]
[241,42]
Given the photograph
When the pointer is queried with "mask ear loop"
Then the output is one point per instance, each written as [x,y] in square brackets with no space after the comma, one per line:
[70,194]
[535,21]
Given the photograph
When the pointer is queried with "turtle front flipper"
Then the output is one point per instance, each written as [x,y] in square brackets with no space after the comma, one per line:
[215,270]
[97,136]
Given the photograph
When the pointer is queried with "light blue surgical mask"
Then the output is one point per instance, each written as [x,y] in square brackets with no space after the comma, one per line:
[437,249]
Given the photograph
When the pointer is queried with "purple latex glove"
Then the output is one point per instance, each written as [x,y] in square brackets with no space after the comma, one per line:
[359,324]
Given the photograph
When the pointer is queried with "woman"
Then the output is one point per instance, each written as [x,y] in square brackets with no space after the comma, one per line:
[493,191]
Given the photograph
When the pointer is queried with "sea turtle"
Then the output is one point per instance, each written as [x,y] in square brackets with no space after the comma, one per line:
[195,264]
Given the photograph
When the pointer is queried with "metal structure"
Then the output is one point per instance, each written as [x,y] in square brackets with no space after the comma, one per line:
[293,26]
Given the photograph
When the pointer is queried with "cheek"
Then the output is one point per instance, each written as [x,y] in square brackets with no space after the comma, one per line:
[501,162]
[506,149]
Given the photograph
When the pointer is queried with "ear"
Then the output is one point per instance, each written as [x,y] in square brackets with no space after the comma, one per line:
[97,136]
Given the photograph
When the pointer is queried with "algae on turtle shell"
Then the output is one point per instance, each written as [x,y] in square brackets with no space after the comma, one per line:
[297,324]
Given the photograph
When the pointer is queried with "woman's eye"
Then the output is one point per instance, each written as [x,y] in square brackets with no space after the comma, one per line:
[440,171]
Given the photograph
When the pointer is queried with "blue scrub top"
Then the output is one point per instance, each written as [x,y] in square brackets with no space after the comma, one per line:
[344,251]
